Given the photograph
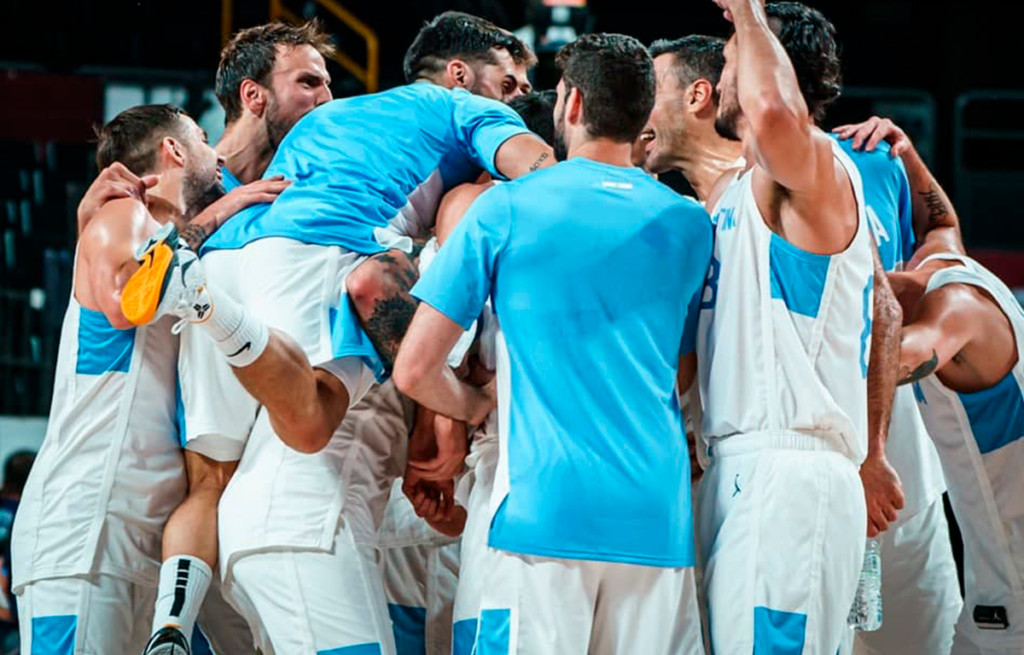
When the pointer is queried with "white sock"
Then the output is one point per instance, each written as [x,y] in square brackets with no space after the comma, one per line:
[183,584]
[241,337]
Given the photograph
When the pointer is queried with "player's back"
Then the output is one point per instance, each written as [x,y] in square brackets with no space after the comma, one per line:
[980,438]
[110,469]
[597,280]
[369,170]
[784,334]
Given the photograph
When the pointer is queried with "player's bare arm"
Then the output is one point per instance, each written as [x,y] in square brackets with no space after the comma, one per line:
[942,328]
[883,492]
[423,374]
[523,154]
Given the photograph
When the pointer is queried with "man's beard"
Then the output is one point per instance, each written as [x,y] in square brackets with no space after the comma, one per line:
[277,128]
[199,194]
[725,124]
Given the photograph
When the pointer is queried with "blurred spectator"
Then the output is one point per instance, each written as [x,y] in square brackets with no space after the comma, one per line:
[16,470]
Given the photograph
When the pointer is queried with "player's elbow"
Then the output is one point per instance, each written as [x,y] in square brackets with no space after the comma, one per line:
[770,115]
[410,373]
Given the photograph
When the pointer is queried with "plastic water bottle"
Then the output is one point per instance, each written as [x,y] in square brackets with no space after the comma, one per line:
[866,613]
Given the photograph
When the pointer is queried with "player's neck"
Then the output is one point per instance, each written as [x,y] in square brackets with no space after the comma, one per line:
[165,203]
[705,159]
[245,149]
[604,151]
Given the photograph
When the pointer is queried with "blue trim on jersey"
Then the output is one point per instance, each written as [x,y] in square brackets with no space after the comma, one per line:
[348,339]
[495,628]
[101,346]
[179,413]
[230,184]
[779,633]
[54,635]
[797,276]
[996,414]
[919,394]
[358,649]
[410,627]
[463,636]
[887,201]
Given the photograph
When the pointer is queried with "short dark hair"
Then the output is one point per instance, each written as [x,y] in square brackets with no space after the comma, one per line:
[810,41]
[456,35]
[251,53]
[695,57]
[133,136]
[16,469]
[615,74]
[537,109]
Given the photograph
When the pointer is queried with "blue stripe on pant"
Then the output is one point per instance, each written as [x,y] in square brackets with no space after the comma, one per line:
[778,633]
[54,635]
[463,636]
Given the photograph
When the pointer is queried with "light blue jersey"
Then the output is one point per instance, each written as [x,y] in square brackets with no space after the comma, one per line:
[887,202]
[229,180]
[596,273]
[369,170]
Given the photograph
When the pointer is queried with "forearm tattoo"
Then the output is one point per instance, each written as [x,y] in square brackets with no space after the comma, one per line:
[540,160]
[194,235]
[937,209]
[924,370]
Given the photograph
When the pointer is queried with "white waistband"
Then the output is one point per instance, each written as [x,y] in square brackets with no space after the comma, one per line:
[749,442]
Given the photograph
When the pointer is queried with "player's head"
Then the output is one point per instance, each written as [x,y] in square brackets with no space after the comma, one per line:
[163,140]
[537,109]
[688,71]
[606,90]
[460,50]
[16,470]
[810,41]
[276,73]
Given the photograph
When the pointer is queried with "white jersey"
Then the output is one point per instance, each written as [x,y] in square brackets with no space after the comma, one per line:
[784,334]
[979,438]
[110,470]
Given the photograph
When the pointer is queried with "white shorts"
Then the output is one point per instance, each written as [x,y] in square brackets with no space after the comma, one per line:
[782,525]
[541,605]
[225,629]
[477,560]
[314,602]
[420,582]
[94,615]
[972,640]
[291,286]
[920,592]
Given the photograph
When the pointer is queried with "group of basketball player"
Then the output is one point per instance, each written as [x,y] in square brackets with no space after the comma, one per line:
[407,372]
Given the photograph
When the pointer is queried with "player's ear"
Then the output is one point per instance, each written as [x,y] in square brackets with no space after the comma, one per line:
[253,96]
[459,74]
[700,96]
[574,106]
[173,150]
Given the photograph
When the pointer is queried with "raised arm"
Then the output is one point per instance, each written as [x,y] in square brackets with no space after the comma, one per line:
[773,107]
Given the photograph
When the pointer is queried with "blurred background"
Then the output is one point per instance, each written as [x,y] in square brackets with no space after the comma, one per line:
[949,72]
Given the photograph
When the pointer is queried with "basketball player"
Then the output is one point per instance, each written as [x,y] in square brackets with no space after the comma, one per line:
[286,518]
[87,538]
[783,347]
[920,590]
[590,514]
[962,342]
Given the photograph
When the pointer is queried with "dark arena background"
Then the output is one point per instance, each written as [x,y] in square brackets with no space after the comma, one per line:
[950,73]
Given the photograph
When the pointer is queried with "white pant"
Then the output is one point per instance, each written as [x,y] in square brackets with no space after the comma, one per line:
[94,615]
[541,605]
[420,582]
[306,602]
[225,629]
[782,524]
[920,592]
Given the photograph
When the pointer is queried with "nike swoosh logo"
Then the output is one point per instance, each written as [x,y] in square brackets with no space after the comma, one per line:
[247,346]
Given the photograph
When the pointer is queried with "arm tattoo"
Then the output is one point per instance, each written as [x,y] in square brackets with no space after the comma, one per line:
[937,209]
[194,235]
[540,160]
[922,371]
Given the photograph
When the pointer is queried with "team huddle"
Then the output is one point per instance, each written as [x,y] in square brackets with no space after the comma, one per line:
[437,369]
